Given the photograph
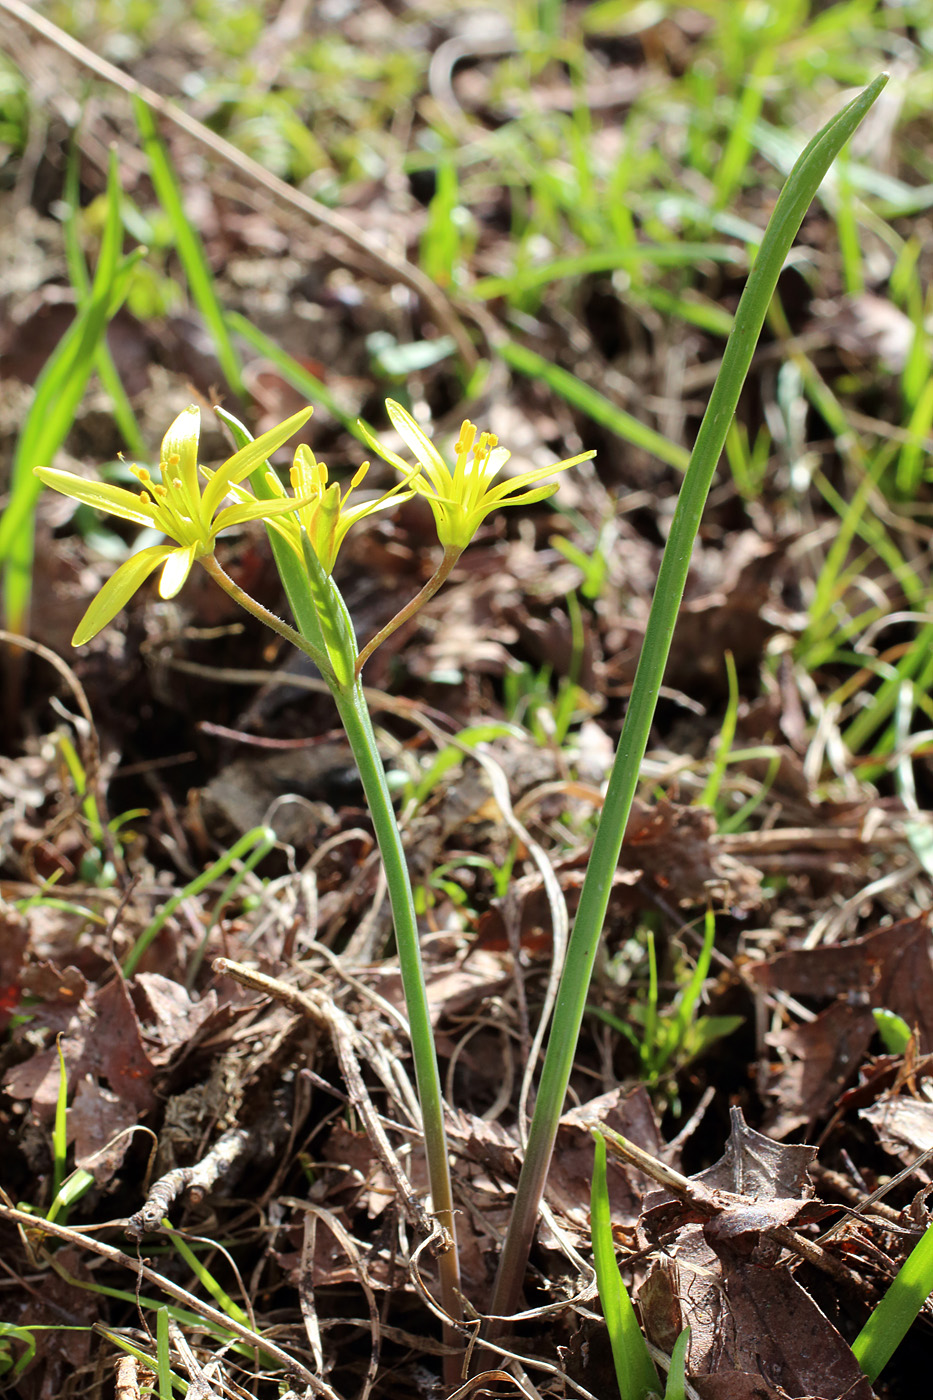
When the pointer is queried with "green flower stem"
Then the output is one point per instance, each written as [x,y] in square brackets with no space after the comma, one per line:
[336,629]
[440,576]
[355,717]
[792,204]
[326,635]
[247,602]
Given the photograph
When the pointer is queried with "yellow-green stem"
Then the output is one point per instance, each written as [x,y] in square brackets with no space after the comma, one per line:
[355,717]
[451,555]
[246,601]
[321,614]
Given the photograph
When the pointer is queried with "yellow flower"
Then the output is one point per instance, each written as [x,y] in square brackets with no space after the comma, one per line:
[462,499]
[176,507]
[321,510]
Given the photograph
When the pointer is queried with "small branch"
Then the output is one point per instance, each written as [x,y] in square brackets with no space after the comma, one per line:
[246,601]
[341,1030]
[417,603]
[34,1228]
[126,1380]
[196,1180]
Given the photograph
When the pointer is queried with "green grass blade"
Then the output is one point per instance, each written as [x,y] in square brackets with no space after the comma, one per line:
[635,1371]
[76,1185]
[740,140]
[651,1053]
[189,246]
[59,390]
[259,852]
[123,1345]
[292,372]
[892,1318]
[220,1296]
[163,1355]
[676,1388]
[688,306]
[689,999]
[634,256]
[26,1335]
[259,836]
[107,371]
[60,1126]
[710,794]
[593,404]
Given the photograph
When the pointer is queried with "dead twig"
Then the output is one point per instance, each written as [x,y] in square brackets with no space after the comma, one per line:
[32,1228]
[199,1387]
[342,1033]
[314,1214]
[126,1379]
[196,1180]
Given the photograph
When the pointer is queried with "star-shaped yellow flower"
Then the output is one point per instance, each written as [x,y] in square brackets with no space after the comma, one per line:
[176,507]
[320,508]
[461,499]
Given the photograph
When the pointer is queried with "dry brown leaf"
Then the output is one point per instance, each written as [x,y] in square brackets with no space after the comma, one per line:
[889,968]
[752,1325]
[827,1053]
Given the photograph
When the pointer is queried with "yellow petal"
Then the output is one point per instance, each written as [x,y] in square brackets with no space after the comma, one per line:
[385,453]
[249,458]
[118,590]
[177,568]
[99,494]
[257,510]
[512,484]
[419,444]
[179,455]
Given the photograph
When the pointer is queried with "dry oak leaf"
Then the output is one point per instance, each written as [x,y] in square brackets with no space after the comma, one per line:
[890,968]
[754,1330]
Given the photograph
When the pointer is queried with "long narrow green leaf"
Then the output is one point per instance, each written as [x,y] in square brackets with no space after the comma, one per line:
[262,836]
[594,404]
[163,1355]
[59,390]
[294,373]
[189,246]
[107,372]
[635,1371]
[60,1125]
[219,1294]
[891,1319]
[783,225]
[607,260]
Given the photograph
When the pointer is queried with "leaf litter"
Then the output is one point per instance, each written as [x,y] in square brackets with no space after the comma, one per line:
[285,1117]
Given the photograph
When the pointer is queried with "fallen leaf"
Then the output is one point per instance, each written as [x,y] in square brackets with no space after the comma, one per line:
[826,1055]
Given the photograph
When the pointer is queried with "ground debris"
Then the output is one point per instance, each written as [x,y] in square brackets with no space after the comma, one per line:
[197,1181]
[723,1237]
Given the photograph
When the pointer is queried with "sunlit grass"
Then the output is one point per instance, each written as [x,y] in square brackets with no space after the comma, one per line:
[58,394]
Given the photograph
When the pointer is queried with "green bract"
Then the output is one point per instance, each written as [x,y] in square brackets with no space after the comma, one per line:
[462,499]
[176,507]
